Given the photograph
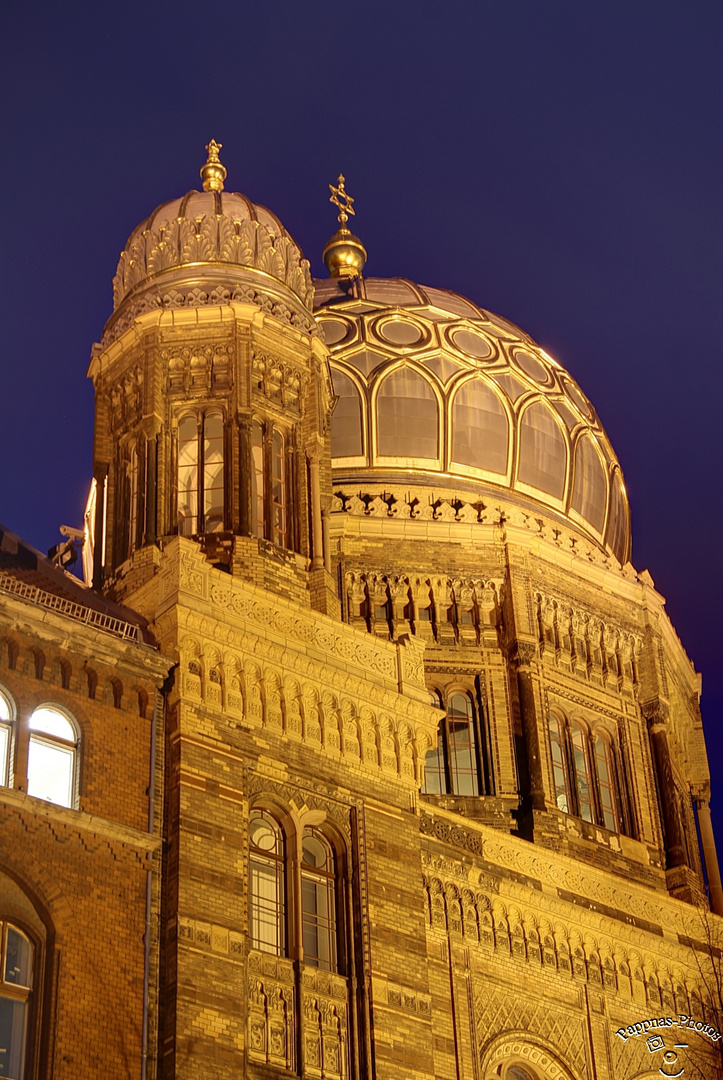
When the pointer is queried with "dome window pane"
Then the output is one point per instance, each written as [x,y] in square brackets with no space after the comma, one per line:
[532,367]
[366,360]
[618,522]
[334,331]
[576,395]
[589,494]
[443,368]
[400,332]
[394,293]
[543,454]
[472,344]
[480,430]
[346,420]
[448,301]
[407,417]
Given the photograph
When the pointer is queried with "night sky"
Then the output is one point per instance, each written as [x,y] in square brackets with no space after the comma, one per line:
[559,163]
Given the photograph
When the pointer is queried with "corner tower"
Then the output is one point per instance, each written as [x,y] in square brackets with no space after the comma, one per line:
[212,399]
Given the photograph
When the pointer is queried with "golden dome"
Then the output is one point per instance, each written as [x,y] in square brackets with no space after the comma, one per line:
[433,389]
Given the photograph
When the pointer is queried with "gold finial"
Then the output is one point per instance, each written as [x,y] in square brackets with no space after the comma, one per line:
[344,255]
[213,173]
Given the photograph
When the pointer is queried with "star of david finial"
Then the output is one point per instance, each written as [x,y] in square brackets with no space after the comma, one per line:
[341,199]
[213,172]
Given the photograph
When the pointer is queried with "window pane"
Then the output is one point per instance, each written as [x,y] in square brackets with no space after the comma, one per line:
[461,746]
[187,476]
[480,431]
[543,454]
[346,420]
[605,777]
[132,500]
[559,765]
[617,529]
[278,488]
[582,773]
[407,416]
[18,958]
[50,771]
[435,780]
[4,751]
[213,472]
[51,722]
[266,869]
[4,708]
[589,496]
[12,1037]
[318,901]
[258,527]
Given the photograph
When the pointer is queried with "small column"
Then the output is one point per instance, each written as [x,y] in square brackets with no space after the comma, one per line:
[314,456]
[710,857]
[244,475]
[674,847]
[326,540]
[530,725]
[151,466]
[100,473]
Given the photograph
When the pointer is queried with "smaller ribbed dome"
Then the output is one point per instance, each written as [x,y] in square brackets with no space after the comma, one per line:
[207,228]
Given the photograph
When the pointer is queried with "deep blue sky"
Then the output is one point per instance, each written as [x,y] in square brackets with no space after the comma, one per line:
[560,163]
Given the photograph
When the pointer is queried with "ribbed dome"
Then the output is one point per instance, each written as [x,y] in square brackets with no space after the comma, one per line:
[427,381]
[210,227]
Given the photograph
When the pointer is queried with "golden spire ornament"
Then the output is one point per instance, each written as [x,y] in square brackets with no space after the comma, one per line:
[344,255]
[213,173]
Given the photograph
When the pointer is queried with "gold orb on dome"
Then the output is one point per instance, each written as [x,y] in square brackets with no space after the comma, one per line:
[344,255]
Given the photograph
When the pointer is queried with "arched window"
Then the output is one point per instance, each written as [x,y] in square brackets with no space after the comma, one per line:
[213,495]
[480,429]
[587,775]
[5,742]
[516,1072]
[346,420]
[617,530]
[200,474]
[258,473]
[52,754]
[452,767]
[187,476]
[318,901]
[560,771]
[15,986]
[589,492]
[543,451]
[267,884]
[132,500]
[278,489]
[407,417]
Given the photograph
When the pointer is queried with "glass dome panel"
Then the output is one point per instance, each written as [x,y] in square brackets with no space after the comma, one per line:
[366,360]
[511,385]
[443,368]
[589,494]
[480,430]
[543,453]
[448,301]
[618,521]
[472,344]
[346,420]
[532,366]
[392,292]
[407,416]
[400,332]
[335,330]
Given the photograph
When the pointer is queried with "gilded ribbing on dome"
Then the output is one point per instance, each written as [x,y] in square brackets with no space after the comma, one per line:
[344,255]
[213,172]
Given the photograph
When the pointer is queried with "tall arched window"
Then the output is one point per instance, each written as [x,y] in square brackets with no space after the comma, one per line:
[267,884]
[213,494]
[560,771]
[258,475]
[407,417]
[607,783]
[452,767]
[15,985]
[582,772]
[200,474]
[52,757]
[617,530]
[132,500]
[318,901]
[587,775]
[278,489]
[5,742]
[480,430]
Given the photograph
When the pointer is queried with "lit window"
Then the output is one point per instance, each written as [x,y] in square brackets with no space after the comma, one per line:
[606,780]
[452,768]
[560,771]
[407,416]
[586,775]
[258,523]
[52,757]
[543,451]
[201,474]
[267,887]
[582,773]
[5,742]
[213,471]
[188,476]
[480,430]
[17,974]
[132,500]
[318,901]
[278,489]
[346,419]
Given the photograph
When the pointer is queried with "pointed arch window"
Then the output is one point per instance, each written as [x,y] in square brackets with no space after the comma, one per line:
[52,757]
[560,771]
[267,884]
[582,772]
[480,429]
[318,901]
[543,451]
[346,419]
[200,474]
[589,492]
[15,986]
